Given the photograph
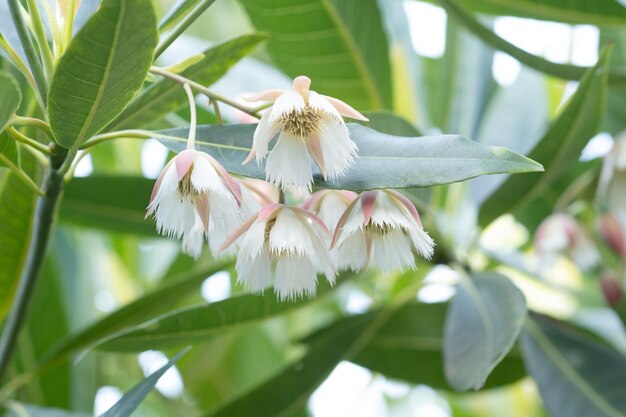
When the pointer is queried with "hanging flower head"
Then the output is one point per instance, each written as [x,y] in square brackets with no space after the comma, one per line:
[278,246]
[560,234]
[194,196]
[380,228]
[329,205]
[308,123]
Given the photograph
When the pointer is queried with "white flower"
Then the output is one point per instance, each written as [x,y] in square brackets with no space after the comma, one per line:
[561,234]
[278,246]
[308,123]
[380,229]
[329,205]
[194,197]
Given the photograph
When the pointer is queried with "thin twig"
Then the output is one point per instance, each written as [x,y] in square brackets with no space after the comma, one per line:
[20,137]
[216,109]
[28,181]
[31,121]
[202,89]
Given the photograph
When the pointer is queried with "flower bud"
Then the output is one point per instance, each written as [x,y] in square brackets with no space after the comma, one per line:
[611,289]
[613,234]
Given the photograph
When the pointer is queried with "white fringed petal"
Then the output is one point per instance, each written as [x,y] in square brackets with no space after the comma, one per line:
[338,150]
[424,244]
[263,135]
[392,251]
[295,276]
[205,178]
[224,219]
[289,235]
[351,252]
[288,164]
[254,272]
[331,207]
[286,103]
[322,105]
[193,240]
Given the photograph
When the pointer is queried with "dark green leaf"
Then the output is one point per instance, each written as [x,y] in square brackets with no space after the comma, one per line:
[165,96]
[605,12]
[101,71]
[140,310]
[409,347]
[10,98]
[559,148]
[129,402]
[194,324]
[286,394]
[17,204]
[339,44]
[384,161]
[482,324]
[27,410]
[110,203]
[577,377]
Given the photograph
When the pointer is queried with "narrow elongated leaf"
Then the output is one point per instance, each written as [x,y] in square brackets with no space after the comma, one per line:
[577,377]
[194,324]
[339,44]
[482,324]
[10,98]
[129,402]
[410,346]
[140,310]
[17,205]
[559,148]
[286,394]
[165,96]
[176,13]
[615,120]
[22,410]
[384,161]
[109,203]
[605,12]
[101,71]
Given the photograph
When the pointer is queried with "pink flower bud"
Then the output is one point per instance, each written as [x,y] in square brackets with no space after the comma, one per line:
[613,234]
[611,289]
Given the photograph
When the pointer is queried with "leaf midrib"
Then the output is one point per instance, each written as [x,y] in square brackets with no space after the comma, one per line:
[569,372]
[105,76]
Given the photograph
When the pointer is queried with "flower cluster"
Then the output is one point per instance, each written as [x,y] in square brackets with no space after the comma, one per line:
[281,245]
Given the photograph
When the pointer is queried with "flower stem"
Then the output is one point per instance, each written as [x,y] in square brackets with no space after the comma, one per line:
[191,140]
[40,37]
[281,196]
[29,50]
[202,89]
[20,137]
[44,216]
[182,26]
[31,121]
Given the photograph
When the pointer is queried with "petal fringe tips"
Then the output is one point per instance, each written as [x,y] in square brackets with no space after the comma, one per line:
[194,197]
[380,229]
[279,247]
[308,124]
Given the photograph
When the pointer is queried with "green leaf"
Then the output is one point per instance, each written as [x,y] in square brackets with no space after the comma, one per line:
[339,44]
[101,71]
[129,402]
[27,410]
[287,393]
[605,12]
[482,324]
[390,123]
[615,120]
[109,203]
[10,98]
[140,310]
[17,205]
[194,324]
[176,13]
[8,148]
[409,347]
[577,377]
[384,161]
[559,148]
[165,96]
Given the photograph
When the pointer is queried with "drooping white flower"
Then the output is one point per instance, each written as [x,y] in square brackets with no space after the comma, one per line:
[279,247]
[560,234]
[380,229]
[194,197]
[329,205]
[307,123]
